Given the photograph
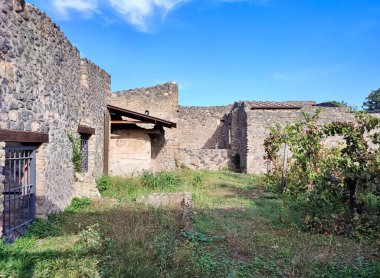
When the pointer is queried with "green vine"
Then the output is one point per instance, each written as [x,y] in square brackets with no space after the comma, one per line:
[77,155]
[322,178]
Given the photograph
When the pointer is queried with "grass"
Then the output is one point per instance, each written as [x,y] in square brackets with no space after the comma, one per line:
[239,230]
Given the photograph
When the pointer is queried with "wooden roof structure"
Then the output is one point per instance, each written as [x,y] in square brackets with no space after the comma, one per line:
[118,113]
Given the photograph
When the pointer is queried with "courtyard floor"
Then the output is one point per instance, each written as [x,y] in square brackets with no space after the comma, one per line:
[238,230]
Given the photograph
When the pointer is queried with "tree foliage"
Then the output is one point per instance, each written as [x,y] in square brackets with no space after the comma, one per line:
[372,102]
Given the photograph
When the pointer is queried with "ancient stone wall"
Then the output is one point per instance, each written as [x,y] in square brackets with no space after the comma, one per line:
[259,121]
[47,87]
[206,159]
[96,89]
[160,101]
[2,180]
[203,127]
[130,152]
[205,139]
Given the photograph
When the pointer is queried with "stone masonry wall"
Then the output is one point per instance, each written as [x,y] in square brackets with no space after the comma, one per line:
[205,139]
[204,127]
[47,87]
[206,159]
[96,88]
[259,122]
[161,101]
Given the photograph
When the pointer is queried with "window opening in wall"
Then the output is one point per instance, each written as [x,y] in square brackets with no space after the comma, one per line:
[19,191]
[84,138]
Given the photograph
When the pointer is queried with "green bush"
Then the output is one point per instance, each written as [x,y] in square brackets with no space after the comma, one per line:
[78,204]
[104,183]
[90,240]
[327,187]
[44,228]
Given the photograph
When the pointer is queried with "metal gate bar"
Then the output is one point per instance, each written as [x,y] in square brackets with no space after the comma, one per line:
[84,151]
[19,191]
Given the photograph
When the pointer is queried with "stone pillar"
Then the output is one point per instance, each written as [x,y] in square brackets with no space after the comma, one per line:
[40,182]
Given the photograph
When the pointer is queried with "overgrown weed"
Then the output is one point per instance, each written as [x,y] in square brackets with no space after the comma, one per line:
[239,230]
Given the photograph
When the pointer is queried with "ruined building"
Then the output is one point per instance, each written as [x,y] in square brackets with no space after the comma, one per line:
[53,103]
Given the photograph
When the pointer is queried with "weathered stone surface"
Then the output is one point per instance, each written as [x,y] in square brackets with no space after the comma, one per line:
[204,127]
[41,90]
[206,159]
[130,152]
[173,200]
[259,121]
[208,134]
[160,101]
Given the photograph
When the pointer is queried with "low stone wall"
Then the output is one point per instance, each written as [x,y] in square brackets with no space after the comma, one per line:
[179,200]
[206,159]
[172,200]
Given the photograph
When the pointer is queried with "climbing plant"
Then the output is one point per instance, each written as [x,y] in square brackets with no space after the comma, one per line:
[77,155]
[325,181]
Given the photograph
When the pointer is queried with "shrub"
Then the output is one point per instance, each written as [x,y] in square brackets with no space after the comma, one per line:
[78,204]
[44,228]
[103,183]
[328,187]
[90,240]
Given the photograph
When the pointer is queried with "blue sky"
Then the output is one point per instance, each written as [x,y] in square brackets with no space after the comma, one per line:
[220,51]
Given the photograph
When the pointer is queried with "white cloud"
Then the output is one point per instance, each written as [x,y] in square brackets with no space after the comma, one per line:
[138,12]
[142,14]
[63,7]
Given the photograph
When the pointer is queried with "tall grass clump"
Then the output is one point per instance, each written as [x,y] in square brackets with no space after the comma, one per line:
[162,180]
[119,187]
[133,187]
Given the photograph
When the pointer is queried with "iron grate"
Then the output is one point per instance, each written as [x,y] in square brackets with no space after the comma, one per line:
[19,191]
[84,138]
